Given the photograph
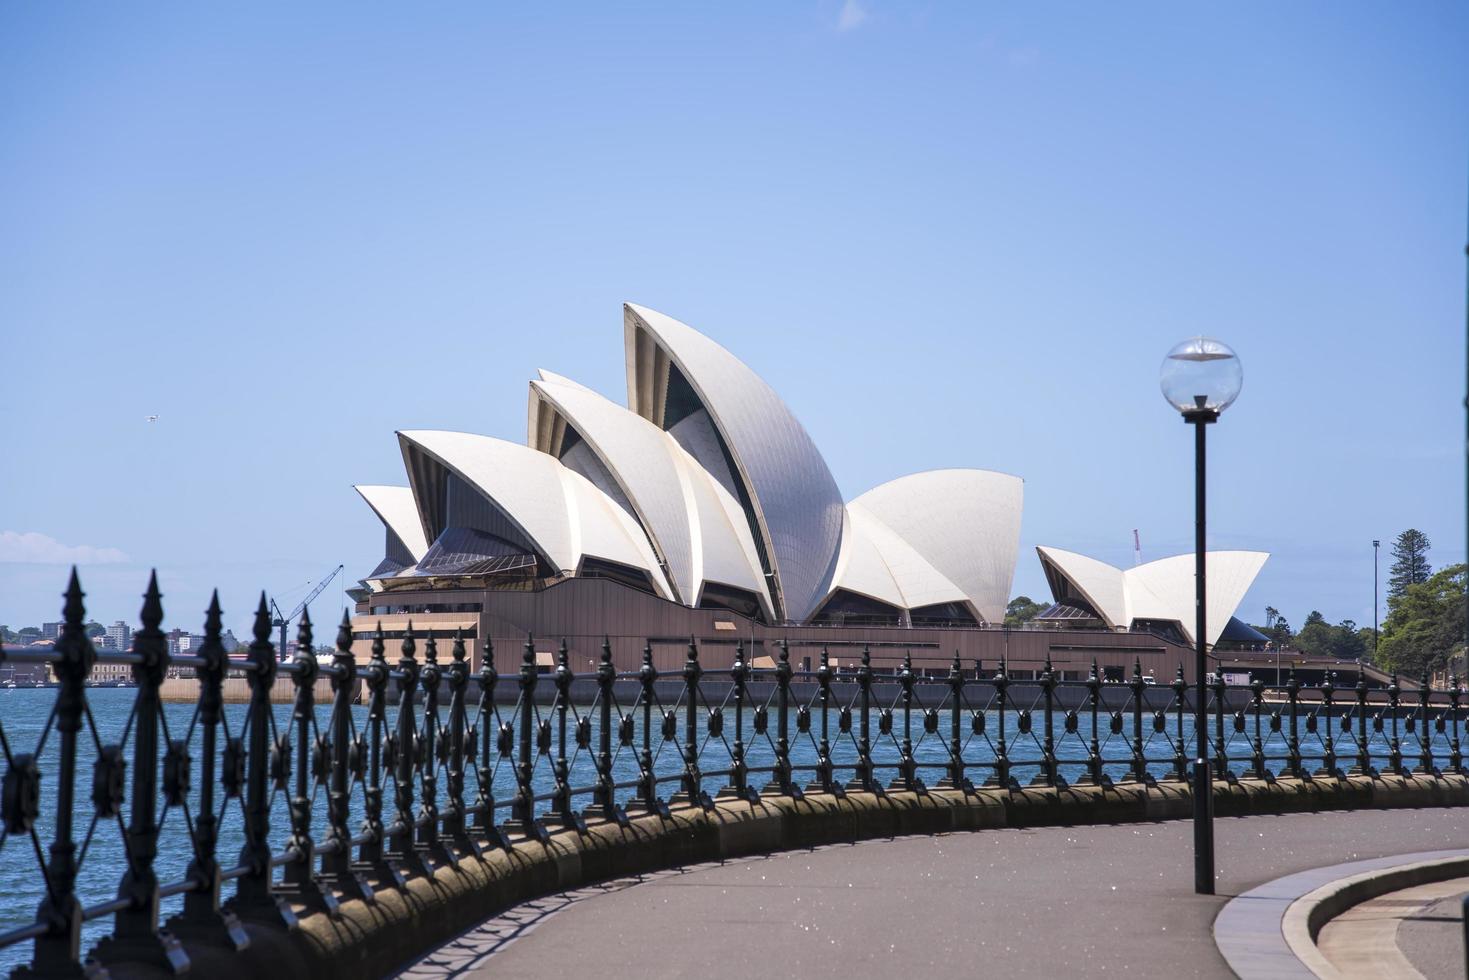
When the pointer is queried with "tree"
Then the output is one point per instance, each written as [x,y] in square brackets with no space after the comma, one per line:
[95,630]
[1022,609]
[30,632]
[1315,636]
[1426,624]
[1276,627]
[1409,563]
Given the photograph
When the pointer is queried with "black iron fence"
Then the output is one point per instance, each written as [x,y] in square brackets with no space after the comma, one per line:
[261,813]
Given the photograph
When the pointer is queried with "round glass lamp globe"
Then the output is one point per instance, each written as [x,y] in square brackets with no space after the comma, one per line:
[1201,375]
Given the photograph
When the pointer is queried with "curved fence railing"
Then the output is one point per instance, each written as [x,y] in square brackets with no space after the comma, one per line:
[132,826]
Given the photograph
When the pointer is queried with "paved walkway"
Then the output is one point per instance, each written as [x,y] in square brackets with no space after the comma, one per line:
[1364,942]
[1055,901]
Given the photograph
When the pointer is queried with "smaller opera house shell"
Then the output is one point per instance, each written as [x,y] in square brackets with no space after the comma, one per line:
[702,509]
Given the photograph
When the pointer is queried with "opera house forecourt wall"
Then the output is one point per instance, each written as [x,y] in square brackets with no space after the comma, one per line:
[702,510]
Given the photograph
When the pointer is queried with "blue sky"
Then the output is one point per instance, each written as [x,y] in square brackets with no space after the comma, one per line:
[947,234]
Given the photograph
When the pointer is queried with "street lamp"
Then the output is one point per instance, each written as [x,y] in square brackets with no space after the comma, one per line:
[1201,378]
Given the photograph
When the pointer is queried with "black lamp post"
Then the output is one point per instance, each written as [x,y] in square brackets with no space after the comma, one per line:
[1201,378]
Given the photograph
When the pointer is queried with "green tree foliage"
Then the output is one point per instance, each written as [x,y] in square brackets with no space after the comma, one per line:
[1022,609]
[1319,638]
[95,630]
[1277,627]
[30,632]
[1425,624]
[1409,563]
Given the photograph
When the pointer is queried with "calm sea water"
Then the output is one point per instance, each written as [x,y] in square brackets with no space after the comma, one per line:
[25,715]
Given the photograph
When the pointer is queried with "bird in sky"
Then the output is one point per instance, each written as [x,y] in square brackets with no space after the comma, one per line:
[151,418]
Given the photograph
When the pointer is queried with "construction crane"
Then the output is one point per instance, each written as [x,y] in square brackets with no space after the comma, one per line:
[282,621]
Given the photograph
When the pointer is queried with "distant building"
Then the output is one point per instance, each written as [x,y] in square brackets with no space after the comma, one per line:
[51,631]
[119,636]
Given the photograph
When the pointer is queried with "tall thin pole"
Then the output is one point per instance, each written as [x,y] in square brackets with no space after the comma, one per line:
[1375,544]
[1203,780]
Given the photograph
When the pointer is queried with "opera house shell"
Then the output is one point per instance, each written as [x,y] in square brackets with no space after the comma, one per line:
[700,509]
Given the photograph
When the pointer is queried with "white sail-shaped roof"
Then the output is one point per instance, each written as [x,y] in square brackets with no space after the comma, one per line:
[695,525]
[395,508]
[877,563]
[560,512]
[794,503]
[964,524]
[1161,589]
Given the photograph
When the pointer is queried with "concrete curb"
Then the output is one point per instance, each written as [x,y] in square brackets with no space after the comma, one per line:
[1307,915]
[1271,931]
[369,939]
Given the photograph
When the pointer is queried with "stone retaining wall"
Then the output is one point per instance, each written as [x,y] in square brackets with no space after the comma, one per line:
[371,939]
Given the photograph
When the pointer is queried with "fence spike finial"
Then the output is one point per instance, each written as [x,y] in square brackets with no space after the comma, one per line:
[213,618]
[344,633]
[262,621]
[152,614]
[303,631]
[73,611]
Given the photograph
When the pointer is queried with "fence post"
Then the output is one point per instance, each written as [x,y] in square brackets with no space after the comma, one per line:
[372,854]
[1093,776]
[565,815]
[1425,746]
[906,778]
[255,896]
[739,787]
[1001,682]
[1221,753]
[58,951]
[405,746]
[863,777]
[136,936]
[1456,759]
[297,880]
[455,830]
[955,777]
[825,781]
[692,783]
[1363,766]
[484,801]
[430,752]
[782,785]
[1139,770]
[1048,772]
[1180,754]
[343,756]
[647,797]
[603,799]
[1257,749]
[523,810]
[1328,761]
[1293,767]
[203,920]
[1395,757]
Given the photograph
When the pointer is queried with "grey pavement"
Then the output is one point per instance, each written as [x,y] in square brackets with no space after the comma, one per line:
[1433,938]
[1053,901]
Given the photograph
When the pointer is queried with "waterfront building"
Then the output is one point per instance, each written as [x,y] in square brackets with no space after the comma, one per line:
[51,631]
[119,636]
[701,509]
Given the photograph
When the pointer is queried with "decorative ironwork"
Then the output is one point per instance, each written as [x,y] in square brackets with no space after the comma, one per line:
[461,770]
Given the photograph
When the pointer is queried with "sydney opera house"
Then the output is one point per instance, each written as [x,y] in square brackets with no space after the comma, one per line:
[703,509]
